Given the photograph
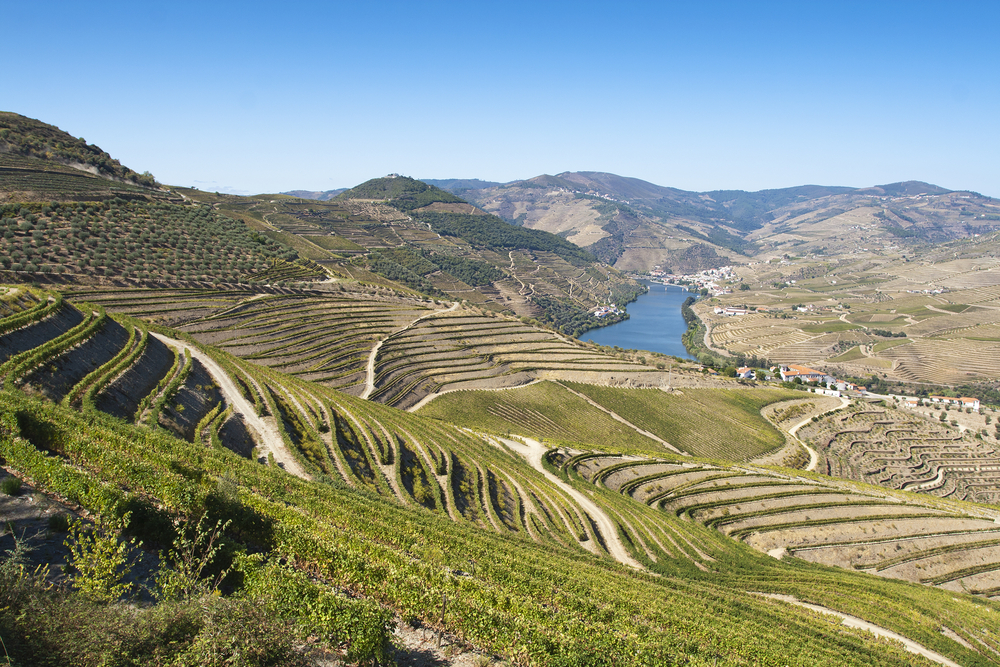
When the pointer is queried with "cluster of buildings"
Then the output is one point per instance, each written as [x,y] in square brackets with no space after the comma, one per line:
[604,311]
[730,311]
[708,279]
[835,386]
[961,402]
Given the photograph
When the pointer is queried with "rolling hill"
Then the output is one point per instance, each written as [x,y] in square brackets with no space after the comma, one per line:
[637,225]
[358,431]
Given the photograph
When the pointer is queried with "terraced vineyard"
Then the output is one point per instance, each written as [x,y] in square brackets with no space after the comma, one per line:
[402,509]
[713,423]
[817,519]
[329,337]
[949,313]
[443,247]
[25,178]
[460,350]
[900,450]
[545,409]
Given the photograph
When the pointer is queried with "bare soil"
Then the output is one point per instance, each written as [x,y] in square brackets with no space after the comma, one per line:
[55,378]
[30,337]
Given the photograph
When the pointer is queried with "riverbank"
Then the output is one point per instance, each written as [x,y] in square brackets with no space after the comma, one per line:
[654,324]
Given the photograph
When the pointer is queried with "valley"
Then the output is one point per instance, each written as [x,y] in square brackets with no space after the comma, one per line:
[379,404]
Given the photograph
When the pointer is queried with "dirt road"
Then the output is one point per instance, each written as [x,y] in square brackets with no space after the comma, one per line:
[268,438]
[813,456]
[533,451]
[854,622]
[617,417]
[370,378]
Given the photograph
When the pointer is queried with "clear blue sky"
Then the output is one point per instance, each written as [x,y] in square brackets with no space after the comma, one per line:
[264,97]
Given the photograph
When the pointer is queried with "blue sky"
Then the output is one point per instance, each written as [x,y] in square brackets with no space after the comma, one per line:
[258,97]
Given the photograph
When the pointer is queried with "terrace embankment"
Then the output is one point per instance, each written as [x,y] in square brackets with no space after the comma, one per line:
[900,449]
[123,395]
[951,545]
[57,376]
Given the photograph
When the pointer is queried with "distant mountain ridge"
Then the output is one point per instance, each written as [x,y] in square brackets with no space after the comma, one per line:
[636,225]
[318,195]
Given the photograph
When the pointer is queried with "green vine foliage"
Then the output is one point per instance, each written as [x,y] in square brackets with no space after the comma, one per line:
[100,556]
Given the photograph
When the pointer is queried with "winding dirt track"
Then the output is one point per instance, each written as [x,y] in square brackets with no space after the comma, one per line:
[533,451]
[268,438]
[854,622]
[370,376]
[813,456]
[617,417]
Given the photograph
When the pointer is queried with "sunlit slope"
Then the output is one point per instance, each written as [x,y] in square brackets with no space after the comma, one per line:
[819,519]
[413,509]
[712,423]
[389,348]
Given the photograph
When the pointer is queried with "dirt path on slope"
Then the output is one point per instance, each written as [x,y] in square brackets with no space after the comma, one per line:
[269,439]
[370,376]
[430,397]
[621,419]
[813,456]
[533,451]
[854,622]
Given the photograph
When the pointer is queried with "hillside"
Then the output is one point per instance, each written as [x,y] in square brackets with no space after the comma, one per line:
[687,589]
[918,321]
[359,431]
[637,225]
[400,233]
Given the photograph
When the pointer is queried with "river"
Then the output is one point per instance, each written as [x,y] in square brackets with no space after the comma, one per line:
[655,323]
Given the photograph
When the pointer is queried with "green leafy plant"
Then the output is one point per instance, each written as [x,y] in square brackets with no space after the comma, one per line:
[11,486]
[100,557]
[181,575]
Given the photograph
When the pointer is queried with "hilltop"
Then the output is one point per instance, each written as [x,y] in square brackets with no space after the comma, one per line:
[636,225]
[40,161]
[356,430]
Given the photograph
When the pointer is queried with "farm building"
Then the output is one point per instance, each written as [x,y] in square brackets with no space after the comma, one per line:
[963,401]
[804,373]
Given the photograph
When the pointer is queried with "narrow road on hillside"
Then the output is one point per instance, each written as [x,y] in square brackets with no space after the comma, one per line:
[370,379]
[533,451]
[430,397]
[617,417]
[269,439]
[813,456]
[855,622]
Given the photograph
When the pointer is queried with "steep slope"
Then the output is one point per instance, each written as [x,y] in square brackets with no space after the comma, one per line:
[406,511]
[637,225]
[400,233]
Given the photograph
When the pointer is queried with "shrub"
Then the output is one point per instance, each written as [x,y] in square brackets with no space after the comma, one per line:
[11,486]
[59,523]
[101,558]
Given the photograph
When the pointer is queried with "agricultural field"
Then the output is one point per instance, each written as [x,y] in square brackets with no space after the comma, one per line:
[899,449]
[533,570]
[545,409]
[953,546]
[399,233]
[709,423]
[416,348]
[141,240]
[239,364]
[927,322]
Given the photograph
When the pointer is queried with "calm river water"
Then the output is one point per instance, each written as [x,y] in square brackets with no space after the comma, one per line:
[655,323]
